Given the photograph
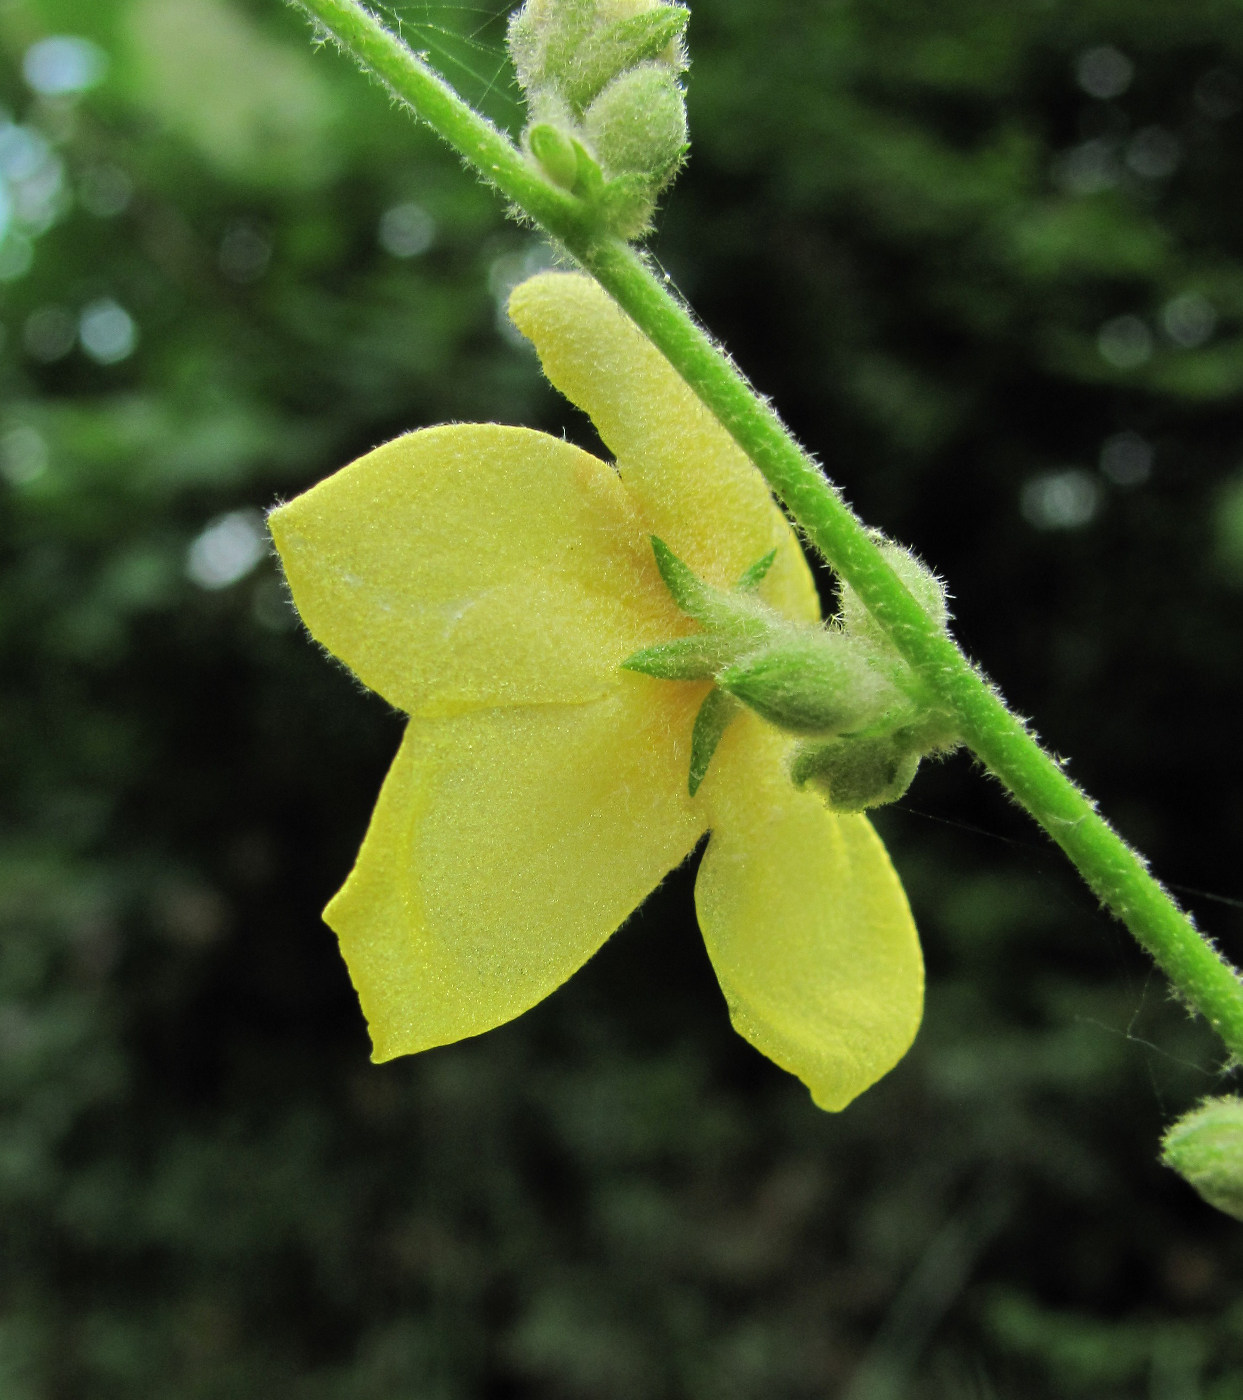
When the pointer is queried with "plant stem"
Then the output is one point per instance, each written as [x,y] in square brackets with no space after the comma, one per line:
[1117,874]
[430,99]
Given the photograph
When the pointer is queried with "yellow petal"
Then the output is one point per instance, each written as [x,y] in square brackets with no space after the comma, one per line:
[506,846]
[696,488]
[806,924]
[470,566]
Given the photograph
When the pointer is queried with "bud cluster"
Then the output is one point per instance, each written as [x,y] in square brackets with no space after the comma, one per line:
[863,720]
[606,114]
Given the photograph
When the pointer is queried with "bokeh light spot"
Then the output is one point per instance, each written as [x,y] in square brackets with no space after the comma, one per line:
[1104,72]
[1154,153]
[49,334]
[104,190]
[245,251]
[23,455]
[272,607]
[63,65]
[1125,342]
[406,230]
[1065,500]
[1088,168]
[23,152]
[227,550]
[1218,95]
[1126,458]
[17,252]
[107,331]
[1189,320]
[34,177]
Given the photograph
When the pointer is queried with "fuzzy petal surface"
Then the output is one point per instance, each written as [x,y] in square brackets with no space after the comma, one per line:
[505,848]
[469,566]
[694,485]
[806,924]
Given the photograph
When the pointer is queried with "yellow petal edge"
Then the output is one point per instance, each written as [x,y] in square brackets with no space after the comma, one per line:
[474,565]
[695,487]
[506,846]
[806,925]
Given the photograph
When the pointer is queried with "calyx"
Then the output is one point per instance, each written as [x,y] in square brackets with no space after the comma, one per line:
[862,717]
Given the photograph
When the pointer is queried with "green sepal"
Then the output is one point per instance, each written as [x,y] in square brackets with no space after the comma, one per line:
[557,153]
[714,716]
[684,659]
[1205,1148]
[756,574]
[621,45]
[693,597]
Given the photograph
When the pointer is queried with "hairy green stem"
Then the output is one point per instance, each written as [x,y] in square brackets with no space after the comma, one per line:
[1116,873]
[430,99]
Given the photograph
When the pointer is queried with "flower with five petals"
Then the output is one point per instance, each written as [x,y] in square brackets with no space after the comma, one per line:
[490,581]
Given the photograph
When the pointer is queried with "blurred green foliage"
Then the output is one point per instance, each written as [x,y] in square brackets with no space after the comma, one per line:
[986,257]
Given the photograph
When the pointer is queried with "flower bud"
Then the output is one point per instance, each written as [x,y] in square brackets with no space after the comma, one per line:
[856,772]
[543,37]
[1206,1149]
[637,125]
[923,585]
[813,681]
[576,47]
[555,152]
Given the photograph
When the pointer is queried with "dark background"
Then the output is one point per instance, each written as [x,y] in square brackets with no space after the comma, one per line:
[985,256]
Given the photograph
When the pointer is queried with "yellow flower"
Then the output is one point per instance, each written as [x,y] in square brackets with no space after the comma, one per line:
[489,581]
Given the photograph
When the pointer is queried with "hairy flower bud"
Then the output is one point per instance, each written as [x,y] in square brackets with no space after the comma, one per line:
[857,772]
[637,125]
[920,581]
[813,681]
[1205,1148]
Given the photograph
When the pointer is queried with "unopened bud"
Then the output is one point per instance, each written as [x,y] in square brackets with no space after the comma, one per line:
[576,47]
[923,585]
[651,35]
[607,119]
[637,125]
[857,772]
[813,681]
[555,152]
[1206,1149]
